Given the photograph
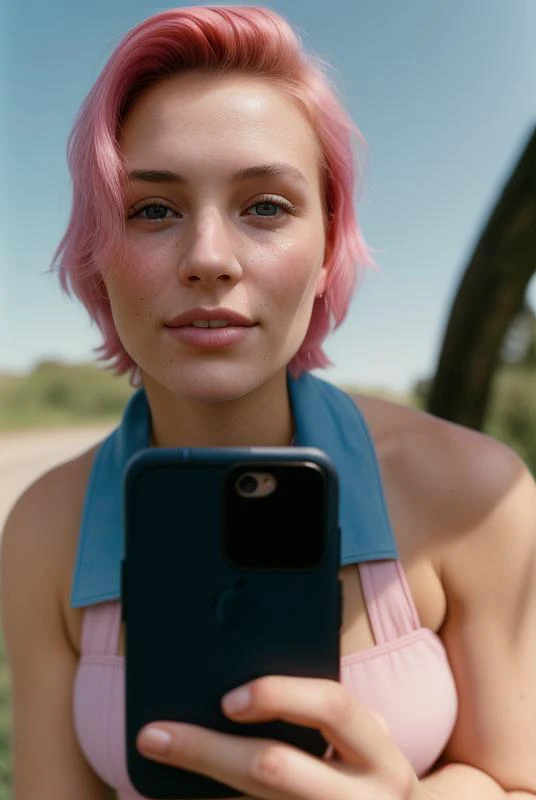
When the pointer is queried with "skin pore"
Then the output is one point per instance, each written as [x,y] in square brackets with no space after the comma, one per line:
[208,237]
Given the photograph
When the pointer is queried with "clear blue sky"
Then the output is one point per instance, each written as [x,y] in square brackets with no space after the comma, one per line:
[444,92]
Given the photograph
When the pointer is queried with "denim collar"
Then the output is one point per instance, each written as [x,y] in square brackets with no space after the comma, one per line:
[324,417]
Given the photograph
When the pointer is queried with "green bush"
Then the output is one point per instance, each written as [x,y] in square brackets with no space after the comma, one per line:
[56,393]
[512,411]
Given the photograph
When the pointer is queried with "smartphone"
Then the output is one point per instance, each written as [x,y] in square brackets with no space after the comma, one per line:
[230,573]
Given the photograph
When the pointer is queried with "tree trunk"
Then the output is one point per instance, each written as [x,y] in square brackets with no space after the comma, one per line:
[490,295]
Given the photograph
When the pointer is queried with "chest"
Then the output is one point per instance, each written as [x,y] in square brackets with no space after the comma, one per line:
[405,678]
[357,633]
[411,525]
[415,546]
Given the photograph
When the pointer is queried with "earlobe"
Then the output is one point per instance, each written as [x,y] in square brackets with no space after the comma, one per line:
[321,283]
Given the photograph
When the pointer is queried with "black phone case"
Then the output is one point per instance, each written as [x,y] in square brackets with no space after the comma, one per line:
[180,658]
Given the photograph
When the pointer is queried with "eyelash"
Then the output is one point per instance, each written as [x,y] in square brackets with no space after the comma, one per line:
[268,199]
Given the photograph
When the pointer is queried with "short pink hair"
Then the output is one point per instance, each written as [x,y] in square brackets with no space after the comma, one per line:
[218,39]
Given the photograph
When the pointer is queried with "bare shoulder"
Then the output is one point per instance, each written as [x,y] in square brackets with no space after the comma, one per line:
[452,477]
[52,500]
[41,532]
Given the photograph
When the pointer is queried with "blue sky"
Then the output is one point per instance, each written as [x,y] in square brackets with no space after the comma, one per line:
[444,93]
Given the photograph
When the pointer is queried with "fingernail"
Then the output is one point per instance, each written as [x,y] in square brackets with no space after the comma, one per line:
[237,700]
[155,740]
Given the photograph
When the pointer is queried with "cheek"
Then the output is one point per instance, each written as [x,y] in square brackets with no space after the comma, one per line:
[137,282]
[147,263]
[292,274]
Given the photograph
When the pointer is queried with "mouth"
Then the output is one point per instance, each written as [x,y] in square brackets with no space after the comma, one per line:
[210,329]
[212,323]
[210,318]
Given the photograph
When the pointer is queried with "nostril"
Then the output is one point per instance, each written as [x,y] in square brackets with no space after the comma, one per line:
[223,277]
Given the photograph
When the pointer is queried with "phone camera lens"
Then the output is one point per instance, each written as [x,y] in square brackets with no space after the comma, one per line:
[248,484]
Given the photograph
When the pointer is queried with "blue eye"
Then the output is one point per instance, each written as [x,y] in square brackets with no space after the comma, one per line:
[265,207]
[151,208]
[269,208]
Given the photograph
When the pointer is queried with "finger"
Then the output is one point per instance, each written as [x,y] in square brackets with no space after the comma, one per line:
[257,767]
[382,723]
[355,732]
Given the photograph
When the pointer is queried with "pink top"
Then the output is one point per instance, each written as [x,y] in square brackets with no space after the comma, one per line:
[406,677]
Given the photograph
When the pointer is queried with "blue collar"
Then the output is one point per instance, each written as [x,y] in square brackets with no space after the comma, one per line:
[324,417]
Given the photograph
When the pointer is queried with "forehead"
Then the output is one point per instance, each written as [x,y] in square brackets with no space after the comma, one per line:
[231,117]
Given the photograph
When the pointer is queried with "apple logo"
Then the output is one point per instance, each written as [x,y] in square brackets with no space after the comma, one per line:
[235,606]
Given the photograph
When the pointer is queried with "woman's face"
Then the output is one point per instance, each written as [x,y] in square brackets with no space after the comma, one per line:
[235,226]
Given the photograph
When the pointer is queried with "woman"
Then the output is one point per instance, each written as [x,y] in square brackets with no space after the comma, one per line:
[213,240]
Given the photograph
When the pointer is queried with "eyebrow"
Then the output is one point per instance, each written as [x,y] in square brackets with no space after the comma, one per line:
[246,174]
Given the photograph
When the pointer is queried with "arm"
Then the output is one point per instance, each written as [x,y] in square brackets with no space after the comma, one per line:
[48,763]
[489,575]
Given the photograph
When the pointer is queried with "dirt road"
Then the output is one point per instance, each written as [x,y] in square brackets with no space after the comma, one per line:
[24,456]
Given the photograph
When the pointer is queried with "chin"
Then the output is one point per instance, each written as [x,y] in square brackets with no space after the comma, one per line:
[210,382]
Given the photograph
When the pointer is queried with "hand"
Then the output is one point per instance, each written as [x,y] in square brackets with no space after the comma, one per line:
[366,763]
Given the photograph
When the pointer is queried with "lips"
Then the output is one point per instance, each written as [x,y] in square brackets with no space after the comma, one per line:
[232,318]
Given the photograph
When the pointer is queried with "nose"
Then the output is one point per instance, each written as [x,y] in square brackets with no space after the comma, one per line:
[209,256]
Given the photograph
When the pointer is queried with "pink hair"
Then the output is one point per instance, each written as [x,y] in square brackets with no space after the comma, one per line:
[219,39]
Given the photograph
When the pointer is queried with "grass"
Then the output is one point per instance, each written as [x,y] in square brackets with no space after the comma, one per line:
[5,728]
[17,420]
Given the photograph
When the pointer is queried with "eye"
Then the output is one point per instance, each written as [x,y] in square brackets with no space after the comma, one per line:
[155,212]
[268,207]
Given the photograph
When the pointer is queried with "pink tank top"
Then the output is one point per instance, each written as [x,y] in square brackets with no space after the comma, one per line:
[406,677]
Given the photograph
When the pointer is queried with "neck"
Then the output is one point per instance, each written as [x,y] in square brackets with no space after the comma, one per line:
[262,418]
